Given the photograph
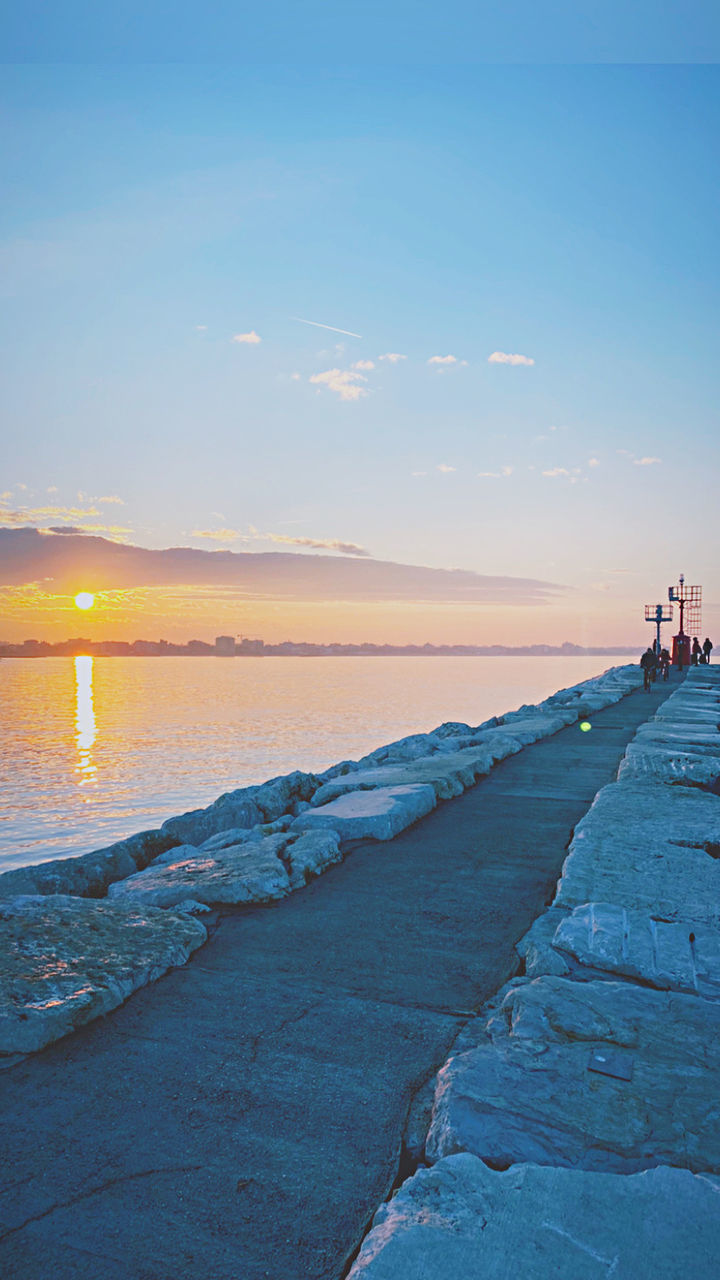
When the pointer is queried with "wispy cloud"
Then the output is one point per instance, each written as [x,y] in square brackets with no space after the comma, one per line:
[80,519]
[255,535]
[111,498]
[443,360]
[392,356]
[251,338]
[496,475]
[363,364]
[505,357]
[444,467]
[638,462]
[320,544]
[200,328]
[556,471]
[593,462]
[317,325]
[344,382]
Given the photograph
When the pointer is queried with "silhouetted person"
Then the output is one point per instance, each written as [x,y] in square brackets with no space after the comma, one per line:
[696,651]
[648,663]
[664,663]
[707,648]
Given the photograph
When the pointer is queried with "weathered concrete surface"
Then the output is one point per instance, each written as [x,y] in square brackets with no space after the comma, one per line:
[460,1220]
[242,1117]
[69,960]
[530,1092]
[377,814]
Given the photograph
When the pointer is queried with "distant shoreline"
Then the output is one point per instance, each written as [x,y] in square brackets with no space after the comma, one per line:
[152,649]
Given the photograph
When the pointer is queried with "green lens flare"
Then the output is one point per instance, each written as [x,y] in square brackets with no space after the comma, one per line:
[585,725]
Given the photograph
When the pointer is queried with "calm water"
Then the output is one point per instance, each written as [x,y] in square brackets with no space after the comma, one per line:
[94,749]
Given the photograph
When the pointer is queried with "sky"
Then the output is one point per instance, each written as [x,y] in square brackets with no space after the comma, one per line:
[333,320]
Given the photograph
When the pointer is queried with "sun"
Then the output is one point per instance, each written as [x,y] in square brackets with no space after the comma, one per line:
[84,600]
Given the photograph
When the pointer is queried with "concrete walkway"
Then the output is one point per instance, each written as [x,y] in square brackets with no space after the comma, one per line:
[242,1118]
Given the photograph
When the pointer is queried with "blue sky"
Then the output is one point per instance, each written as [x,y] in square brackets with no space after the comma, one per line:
[562,214]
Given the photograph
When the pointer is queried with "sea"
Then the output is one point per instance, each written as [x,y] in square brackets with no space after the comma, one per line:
[93,750]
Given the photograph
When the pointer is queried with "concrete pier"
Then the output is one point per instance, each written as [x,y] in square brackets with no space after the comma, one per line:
[243,1116]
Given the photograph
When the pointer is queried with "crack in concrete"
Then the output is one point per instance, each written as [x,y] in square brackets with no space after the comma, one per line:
[94,1191]
[286,1022]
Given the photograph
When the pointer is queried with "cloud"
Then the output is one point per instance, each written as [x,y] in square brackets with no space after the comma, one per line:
[504,357]
[363,364]
[342,381]
[320,544]
[444,467]
[645,462]
[201,328]
[443,360]
[27,555]
[497,475]
[218,535]
[112,498]
[392,356]
[593,462]
[254,535]
[84,519]
[557,471]
[250,337]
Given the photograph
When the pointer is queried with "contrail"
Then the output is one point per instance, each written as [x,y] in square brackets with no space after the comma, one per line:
[317,325]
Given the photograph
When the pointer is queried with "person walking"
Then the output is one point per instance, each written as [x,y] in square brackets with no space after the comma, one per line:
[664,663]
[696,651]
[647,662]
[707,648]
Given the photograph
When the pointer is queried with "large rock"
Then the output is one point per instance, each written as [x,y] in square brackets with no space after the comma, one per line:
[250,872]
[379,814]
[198,825]
[602,938]
[603,1076]
[308,854]
[648,847]
[89,875]
[262,869]
[672,765]
[67,960]
[247,807]
[449,775]
[463,1221]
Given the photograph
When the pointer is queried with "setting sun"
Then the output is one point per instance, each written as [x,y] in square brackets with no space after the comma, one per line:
[84,600]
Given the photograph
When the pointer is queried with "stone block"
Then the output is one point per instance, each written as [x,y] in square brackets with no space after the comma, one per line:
[378,814]
[249,872]
[462,1221]
[603,1076]
[672,956]
[68,960]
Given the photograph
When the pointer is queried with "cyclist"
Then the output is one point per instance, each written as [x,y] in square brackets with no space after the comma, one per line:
[648,662]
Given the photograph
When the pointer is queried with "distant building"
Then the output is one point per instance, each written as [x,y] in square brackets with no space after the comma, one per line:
[250,646]
[225,646]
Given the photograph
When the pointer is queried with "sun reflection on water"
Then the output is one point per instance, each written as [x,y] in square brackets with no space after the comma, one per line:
[84,719]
